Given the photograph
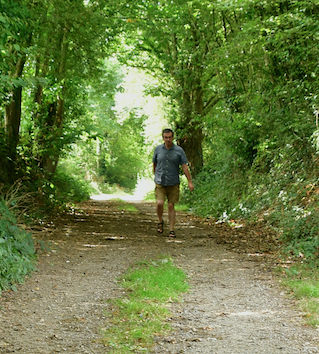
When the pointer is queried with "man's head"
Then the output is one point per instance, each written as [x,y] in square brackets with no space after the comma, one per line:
[168,136]
[167,131]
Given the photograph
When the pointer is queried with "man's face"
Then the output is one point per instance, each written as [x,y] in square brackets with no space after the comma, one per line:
[168,139]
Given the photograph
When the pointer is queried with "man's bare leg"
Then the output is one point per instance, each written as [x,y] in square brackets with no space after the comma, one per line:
[171,216]
[160,209]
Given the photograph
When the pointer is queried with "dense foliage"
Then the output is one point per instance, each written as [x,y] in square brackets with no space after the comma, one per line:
[17,252]
[261,148]
[59,89]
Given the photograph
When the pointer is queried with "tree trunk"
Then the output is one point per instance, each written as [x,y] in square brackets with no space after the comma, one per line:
[192,134]
[55,121]
[12,120]
[50,164]
[192,145]
[55,116]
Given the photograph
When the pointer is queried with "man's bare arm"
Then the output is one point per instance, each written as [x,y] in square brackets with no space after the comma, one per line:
[188,176]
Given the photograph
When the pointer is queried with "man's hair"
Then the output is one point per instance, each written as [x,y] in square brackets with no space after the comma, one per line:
[165,131]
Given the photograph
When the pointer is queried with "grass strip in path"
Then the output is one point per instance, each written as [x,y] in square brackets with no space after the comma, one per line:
[123,205]
[142,314]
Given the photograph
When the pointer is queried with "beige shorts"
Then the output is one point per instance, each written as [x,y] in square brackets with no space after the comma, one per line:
[171,192]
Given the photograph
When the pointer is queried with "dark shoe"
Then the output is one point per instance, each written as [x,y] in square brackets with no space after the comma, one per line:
[172,234]
[160,227]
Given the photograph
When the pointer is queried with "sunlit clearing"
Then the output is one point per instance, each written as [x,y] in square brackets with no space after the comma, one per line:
[142,188]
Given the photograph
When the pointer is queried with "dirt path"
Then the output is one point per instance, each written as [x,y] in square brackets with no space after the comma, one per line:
[234,305]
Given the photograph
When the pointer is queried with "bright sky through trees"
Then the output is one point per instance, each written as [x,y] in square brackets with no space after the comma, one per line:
[133,96]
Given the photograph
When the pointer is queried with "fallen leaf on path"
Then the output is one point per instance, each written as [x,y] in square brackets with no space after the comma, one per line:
[114,238]
[95,245]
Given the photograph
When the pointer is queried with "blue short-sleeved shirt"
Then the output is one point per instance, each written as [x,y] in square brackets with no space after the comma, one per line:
[167,164]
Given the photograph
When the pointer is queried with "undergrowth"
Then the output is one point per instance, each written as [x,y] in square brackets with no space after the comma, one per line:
[17,252]
[61,191]
[280,190]
[142,314]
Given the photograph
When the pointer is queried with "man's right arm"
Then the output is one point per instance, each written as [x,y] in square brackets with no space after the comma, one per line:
[154,160]
[188,176]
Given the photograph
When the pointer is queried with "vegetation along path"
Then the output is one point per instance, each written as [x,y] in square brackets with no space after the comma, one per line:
[233,306]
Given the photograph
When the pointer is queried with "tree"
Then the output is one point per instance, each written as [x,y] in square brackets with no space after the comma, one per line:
[51,48]
[14,42]
[80,32]
[268,72]
[179,41]
[261,143]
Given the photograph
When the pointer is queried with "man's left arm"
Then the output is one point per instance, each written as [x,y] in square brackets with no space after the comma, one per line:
[188,176]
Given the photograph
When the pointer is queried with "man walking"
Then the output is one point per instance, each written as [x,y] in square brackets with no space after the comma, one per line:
[166,160]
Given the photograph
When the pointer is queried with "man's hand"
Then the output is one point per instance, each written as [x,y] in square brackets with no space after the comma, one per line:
[190,185]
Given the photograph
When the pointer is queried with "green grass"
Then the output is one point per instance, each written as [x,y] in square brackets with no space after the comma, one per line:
[303,282]
[137,318]
[182,207]
[150,196]
[122,205]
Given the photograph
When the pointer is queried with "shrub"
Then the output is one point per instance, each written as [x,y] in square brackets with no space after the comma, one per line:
[217,192]
[70,188]
[62,190]
[17,252]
